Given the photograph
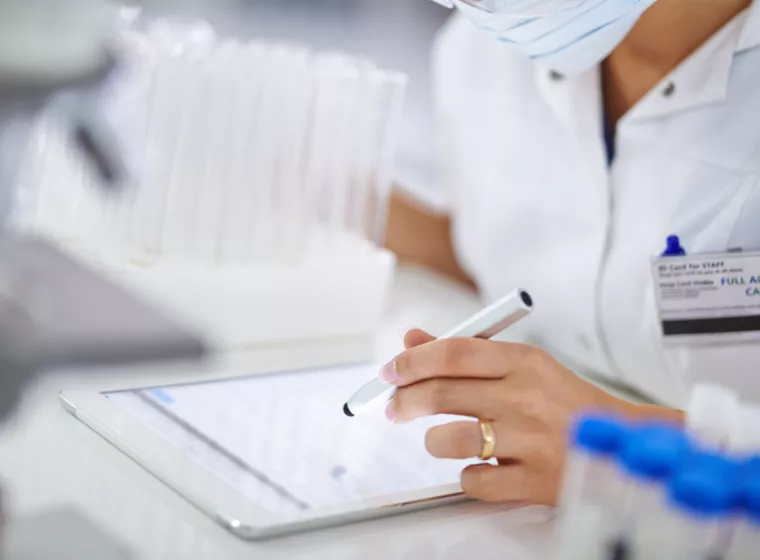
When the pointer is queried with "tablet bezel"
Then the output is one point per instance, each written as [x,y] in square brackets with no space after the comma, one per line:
[209,492]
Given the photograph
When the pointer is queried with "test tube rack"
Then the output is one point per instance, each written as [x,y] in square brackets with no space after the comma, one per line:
[264,170]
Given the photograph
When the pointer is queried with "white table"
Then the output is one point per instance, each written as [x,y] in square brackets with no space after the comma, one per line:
[49,459]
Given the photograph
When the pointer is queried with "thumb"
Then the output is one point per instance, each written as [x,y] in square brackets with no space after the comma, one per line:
[416,337]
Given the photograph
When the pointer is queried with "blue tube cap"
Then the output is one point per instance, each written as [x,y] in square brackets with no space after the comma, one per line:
[654,452]
[750,498]
[749,487]
[750,467]
[673,247]
[600,433]
[705,486]
[701,460]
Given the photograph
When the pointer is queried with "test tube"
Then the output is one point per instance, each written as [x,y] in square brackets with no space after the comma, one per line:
[340,152]
[181,147]
[709,415]
[143,219]
[367,127]
[289,85]
[293,134]
[165,131]
[214,163]
[746,540]
[30,179]
[390,91]
[122,104]
[263,155]
[235,150]
[744,436]
[318,145]
[86,216]
[650,456]
[591,497]
[14,138]
[241,212]
[51,159]
[699,521]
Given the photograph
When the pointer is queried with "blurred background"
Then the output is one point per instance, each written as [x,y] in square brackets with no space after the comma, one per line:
[207,291]
[221,161]
[396,34]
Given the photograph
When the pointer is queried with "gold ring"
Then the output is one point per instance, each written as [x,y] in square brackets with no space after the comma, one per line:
[487,440]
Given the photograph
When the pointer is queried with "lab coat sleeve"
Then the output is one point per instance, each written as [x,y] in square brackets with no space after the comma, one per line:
[437,196]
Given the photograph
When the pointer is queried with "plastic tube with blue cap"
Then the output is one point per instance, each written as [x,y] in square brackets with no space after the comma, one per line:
[649,458]
[746,542]
[711,414]
[744,436]
[699,520]
[592,487]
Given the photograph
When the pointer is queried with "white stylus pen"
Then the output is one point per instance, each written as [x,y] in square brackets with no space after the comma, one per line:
[485,324]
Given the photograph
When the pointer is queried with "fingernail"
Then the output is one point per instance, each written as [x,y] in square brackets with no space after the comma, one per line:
[388,372]
[390,414]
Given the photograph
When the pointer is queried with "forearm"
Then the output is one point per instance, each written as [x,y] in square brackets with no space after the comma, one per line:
[417,235]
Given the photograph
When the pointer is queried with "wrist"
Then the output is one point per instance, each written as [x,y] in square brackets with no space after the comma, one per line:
[644,412]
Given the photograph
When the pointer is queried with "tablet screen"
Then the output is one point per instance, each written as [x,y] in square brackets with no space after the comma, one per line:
[283,440]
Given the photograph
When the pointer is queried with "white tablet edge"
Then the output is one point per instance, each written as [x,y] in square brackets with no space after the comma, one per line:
[214,496]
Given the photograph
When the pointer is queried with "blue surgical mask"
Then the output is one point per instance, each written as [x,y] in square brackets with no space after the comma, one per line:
[569,36]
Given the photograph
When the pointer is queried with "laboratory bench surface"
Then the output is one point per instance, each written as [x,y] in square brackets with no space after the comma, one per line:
[49,460]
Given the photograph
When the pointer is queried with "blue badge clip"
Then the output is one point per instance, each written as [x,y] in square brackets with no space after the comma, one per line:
[673,247]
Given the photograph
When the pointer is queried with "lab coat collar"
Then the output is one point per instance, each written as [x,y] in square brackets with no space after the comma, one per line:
[751,35]
[702,79]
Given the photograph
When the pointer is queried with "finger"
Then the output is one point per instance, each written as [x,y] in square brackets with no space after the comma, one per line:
[463,440]
[477,398]
[416,337]
[456,357]
[492,483]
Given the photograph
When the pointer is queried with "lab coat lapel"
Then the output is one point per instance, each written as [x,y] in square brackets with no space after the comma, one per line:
[703,78]
[574,100]
[750,37]
[577,104]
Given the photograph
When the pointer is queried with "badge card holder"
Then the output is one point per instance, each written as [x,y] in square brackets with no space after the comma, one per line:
[708,299]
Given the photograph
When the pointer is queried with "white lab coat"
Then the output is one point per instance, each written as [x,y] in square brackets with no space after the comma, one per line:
[535,204]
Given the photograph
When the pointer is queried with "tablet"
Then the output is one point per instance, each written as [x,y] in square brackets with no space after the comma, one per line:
[271,454]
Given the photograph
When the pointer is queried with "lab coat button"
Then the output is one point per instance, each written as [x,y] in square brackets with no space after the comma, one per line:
[585,343]
[555,76]
[669,90]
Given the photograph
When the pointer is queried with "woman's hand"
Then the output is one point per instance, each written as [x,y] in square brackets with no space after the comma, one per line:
[529,398]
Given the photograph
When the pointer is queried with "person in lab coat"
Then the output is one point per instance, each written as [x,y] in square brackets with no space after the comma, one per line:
[569,153]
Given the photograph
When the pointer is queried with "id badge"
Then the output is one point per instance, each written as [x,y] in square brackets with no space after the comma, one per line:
[708,298]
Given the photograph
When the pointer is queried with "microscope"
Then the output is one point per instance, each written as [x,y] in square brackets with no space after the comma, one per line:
[55,313]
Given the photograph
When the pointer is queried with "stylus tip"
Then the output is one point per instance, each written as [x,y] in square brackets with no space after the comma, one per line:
[347,411]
